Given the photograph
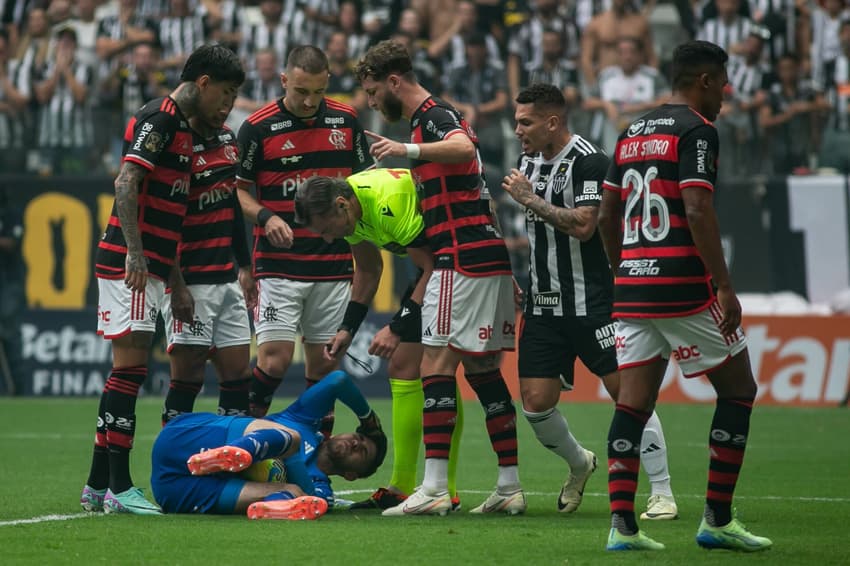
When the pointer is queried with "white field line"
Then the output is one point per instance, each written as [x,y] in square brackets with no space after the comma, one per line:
[47,518]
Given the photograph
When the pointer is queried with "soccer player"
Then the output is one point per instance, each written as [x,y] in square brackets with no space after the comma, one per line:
[468,309]
[380,207]
[304,282]
[212,251]
[673,294]
[568,308]
[194,454]
[137,255]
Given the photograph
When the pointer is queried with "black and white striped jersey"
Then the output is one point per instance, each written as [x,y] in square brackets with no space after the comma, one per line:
[567,277]
[63,121]
[724,34]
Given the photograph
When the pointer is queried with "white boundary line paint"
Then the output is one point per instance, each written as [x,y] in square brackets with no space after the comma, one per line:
[48,518]
[44,519]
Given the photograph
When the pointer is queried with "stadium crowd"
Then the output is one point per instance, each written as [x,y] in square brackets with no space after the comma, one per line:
[72,73]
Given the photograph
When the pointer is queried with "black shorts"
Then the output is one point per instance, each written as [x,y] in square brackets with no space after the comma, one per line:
[549,346]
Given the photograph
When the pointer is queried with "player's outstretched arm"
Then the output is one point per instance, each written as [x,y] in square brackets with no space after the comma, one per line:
[337,385]
[455,148]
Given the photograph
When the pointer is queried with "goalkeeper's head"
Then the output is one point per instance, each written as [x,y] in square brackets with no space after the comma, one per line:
[354,455]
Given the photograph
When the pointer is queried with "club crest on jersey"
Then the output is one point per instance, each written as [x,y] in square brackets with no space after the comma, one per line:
[636,128]
[337,139]
[230,153]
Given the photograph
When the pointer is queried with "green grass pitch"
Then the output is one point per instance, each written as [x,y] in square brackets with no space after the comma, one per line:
[794,488]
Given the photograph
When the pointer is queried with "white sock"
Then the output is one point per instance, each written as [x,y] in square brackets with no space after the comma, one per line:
[508,481]
[551,429]
[653,456]
[436,479]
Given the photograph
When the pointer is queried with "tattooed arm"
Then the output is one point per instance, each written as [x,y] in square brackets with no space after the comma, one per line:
[578,222]
[127,206]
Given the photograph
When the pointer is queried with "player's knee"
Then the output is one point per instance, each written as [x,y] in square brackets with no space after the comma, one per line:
[403,367]
[539,399]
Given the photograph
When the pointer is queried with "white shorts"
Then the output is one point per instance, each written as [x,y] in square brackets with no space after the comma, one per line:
[473,315]
[121,311]
[287,306]
[694,341]
[221,318]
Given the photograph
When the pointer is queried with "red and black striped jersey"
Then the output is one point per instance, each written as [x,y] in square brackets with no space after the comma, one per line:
[159,139]
[278,151]
[213,227]
[454,199]
[661,273]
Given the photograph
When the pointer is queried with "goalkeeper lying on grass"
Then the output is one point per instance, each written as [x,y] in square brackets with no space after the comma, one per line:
[200,460]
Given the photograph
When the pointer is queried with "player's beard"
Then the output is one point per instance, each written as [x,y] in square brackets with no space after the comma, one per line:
[337,453]
[392,107]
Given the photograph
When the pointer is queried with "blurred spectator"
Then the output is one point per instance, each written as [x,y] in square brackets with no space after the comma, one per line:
[262,84]
[449,47]
[13,16]
[85,24]
[738,123]
[118,34]
[599,40]
[826,45]
[349,22]
[622,93]
[479,91]
[154,9]
[14,99]
[380,17]
[12,276]
[127,89]
[556,69]
[34,44]
[65,126]
[180,33]
[835,147]
[728,29]
[271,33]
[436,15]
[781,19]
[58,13]
[224,18]
[788,118]
[321,18]
[343,85]
[525,46]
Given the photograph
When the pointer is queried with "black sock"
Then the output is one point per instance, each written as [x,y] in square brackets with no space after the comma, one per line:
[624,465]
[262,391]
[99,473]
[179,399]
[123,389]
[233,397]
[727,442]
[500,413]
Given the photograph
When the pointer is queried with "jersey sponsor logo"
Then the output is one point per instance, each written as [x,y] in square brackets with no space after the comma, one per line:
[143,134]
[641,267]
[225,137]
[287,145]
[334,120]
[291,159]
[358,146]
[605,336]
[385,211]
[337,139]
[685,353]
[248,162]
[198,147]
[582,198]
[280,125]
[550,299]
[620,343]
[200,161]
[105,316]
[636,128]
[180,187]
[214,196]
[590,187]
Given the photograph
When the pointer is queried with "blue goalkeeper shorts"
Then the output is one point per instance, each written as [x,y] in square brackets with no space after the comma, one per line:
[175,489]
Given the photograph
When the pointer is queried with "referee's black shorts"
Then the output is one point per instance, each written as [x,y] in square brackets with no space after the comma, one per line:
[549,346]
